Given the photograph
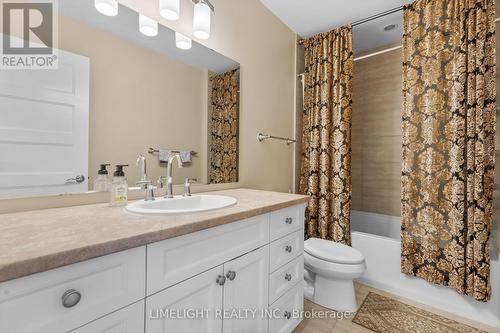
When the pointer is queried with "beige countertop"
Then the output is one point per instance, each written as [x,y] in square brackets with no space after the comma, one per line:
[36,241]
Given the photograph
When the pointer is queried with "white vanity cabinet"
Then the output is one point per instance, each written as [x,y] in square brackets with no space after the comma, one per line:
[68,297]
[204,303]
[239,277]
[127,320]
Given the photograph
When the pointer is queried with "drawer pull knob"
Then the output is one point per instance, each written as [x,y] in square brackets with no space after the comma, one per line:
[287,315]
[288,277]
[231,275]
[288,220]
[71,298]
[288,248]
[221,279]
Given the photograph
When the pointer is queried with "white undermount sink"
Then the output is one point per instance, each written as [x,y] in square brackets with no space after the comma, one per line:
[181,205]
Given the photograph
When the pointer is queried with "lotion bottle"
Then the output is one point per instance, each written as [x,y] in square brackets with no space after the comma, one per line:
[101,183]
[119,187]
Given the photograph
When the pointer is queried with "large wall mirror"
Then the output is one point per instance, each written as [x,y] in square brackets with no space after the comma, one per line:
[117,94]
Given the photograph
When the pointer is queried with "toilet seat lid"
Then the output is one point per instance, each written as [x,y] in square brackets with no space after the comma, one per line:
[333,252]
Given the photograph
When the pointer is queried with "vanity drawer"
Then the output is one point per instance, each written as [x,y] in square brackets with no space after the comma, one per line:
[288,309]
[177,259]
[286,221]
[126,320]
[285,277]
[285,249]
[35,303]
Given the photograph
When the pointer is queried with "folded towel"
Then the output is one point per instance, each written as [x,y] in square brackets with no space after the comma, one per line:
[164,155]
[185,156]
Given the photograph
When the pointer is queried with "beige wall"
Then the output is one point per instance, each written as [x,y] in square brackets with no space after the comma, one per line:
[248,33]
[376,134]
[138,99]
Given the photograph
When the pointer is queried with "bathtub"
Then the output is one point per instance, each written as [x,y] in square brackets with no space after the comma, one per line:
[378,238]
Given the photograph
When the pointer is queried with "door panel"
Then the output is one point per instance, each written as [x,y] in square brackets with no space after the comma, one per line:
[197,293]
[126,320]
[248,290]
[44,128]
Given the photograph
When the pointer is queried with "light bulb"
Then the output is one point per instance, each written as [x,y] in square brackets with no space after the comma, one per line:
[182,42]
[201,21]
[147,26]
[107,7]
[169,9]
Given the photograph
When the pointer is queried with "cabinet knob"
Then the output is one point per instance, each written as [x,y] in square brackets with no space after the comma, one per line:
[288,248]
[288,220]
[71,298]
[288,277]
[287,315]
[221,279]
[231,275]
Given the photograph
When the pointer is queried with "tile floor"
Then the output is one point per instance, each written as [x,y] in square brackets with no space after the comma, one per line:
[347,326]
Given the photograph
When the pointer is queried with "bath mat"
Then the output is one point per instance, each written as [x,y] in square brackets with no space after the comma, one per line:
[386,315]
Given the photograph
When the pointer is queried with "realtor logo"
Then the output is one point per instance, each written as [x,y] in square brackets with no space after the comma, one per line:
[29,34]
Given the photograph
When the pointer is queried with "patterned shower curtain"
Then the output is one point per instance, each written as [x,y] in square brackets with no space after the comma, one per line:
[326,136]
[223,166]
[449,94]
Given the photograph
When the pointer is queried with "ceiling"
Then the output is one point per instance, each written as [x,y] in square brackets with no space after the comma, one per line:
[308,18]
[125,25]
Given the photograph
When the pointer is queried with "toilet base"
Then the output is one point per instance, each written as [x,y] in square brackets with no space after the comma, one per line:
[337,295]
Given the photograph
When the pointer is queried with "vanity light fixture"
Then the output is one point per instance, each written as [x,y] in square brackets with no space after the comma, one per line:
[182,42]
[107,7]
[170,9]
[148,26]
[201,18]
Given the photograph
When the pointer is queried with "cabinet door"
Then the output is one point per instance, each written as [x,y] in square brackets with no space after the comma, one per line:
[246,287]
[126,320]
[172,309]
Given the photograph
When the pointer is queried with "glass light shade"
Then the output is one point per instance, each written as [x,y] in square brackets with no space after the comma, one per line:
[170,9]
[107,7]
[201,21]
[182,42]
[147,26]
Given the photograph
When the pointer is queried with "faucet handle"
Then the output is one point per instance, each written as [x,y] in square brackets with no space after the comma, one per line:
[143,183]
[162,180]
[187,186]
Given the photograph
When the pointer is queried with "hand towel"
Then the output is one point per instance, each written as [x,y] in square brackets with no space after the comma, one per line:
[185,156]
[164,155]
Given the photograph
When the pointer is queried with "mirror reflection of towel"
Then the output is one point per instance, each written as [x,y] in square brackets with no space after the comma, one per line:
[185,156]
[164,155]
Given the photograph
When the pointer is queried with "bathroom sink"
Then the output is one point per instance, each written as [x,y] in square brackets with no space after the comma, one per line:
[181,205]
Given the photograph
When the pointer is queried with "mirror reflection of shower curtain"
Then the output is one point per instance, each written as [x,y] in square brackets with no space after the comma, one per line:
[449,93]
[223,131]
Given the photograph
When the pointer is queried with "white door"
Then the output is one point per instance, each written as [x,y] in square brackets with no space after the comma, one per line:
[126,320]
[44,128]
[246,287]
[202,292]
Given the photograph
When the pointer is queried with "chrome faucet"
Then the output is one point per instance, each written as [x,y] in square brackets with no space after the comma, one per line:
[144,183]
[170,190]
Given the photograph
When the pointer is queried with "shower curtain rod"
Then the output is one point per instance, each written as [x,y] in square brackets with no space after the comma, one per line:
[374,17]
[367,19]
[389,49]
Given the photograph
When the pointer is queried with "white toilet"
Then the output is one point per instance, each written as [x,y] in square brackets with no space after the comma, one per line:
[330,269]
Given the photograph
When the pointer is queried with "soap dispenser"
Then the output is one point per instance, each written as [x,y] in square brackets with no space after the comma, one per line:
[101,183]
[119,187]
